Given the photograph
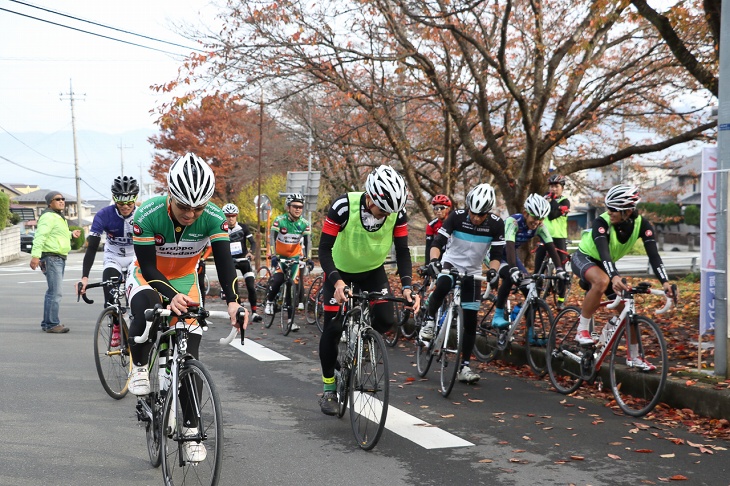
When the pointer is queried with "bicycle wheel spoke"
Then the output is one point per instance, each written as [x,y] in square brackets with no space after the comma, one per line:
[539,318]
[451,349]
[637,389]
[564,353]
[113,363]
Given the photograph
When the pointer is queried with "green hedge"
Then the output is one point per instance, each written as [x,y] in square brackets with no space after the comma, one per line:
[77,243]
[4,210]
[692,215]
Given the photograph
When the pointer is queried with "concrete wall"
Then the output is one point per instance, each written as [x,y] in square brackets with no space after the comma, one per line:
[9,243]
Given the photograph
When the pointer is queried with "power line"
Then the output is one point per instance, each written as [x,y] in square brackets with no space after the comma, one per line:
[91,33]
[34,150]
[33,170]
[104,26]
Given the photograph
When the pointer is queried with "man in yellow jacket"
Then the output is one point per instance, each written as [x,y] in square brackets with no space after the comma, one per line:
[51,244]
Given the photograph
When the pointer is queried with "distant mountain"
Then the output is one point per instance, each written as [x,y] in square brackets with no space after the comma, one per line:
[47,159]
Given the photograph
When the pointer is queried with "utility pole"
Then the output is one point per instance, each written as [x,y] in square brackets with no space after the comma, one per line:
[71,95]
[121,148]
[257,258]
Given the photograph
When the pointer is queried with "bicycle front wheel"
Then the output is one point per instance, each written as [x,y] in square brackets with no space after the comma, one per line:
[288,310]
[450,354]
[390,336]
[310,302]
[538,318]
[369,390]
[637,389]
[485,345]
[193,430]
[155,401]
[563,353]
[278,306]
[261,283]
[111,353]
[424,354]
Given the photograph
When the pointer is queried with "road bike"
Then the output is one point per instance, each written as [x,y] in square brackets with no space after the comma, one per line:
[447,343]
[636,389]
[409,328]
[400,315]
[286,301]
[361,373]
[111,339]
[551,287]
[314,303]
[193,413]
[537,318]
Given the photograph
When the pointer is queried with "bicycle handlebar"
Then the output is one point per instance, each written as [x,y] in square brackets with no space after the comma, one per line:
[199,314]
[104,283]
[643,288]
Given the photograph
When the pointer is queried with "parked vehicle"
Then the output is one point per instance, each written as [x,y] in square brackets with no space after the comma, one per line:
[26,242]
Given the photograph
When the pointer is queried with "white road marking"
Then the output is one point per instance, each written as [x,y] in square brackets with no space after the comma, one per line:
[257,351]
[413,428]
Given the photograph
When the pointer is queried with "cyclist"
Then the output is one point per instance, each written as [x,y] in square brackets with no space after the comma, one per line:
[170,232]
[612,236]
[472,234]
[289,239]
[518,229]
[441,205]
[557,223]
[116,222]
[357,236]
[241,238]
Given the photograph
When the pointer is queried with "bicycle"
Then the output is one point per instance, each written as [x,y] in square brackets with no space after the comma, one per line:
[406,330]
[193,414]
[537,316]
[447,343]
[111,349]
[570,364]
[287,300]
[551,287]
[314,303]
[361,373]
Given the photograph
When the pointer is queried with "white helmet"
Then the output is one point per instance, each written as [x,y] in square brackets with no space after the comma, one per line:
[230,208]
[191,180]
[481,199]
[622,197]
[387,189]
[537,206]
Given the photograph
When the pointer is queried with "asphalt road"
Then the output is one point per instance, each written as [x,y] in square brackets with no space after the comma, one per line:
[59,427]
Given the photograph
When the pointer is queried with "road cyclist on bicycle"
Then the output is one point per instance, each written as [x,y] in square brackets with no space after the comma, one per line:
[441,205]
[243,248]
[612,235]
[472,234]
[289,239]
[170,232]
[116,222]
[519,229]
[557,223]
[357,236]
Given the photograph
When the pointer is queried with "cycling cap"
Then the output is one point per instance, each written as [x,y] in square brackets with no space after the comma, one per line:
[124,189]
[537,206]
[387,189]
[230,208]
[481,199]
[191,180]
[622,197]
[294,197]
[556,179]
[441,199]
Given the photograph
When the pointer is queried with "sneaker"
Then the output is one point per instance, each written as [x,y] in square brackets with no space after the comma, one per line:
[115,336]
[300,306]
[466,375]
[194,451]
[498,320]
[256,318]
[328,403]
[139,381]
[295,327]
[269,308]
[426,333]
[59,329]
[640,363]
[343,338]
[584,337]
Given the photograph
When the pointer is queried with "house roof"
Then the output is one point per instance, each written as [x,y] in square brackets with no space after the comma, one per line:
[97,205]
[39,196]
[691,166]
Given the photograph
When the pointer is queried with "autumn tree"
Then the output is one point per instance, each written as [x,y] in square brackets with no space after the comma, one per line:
[514,85]
[225,132]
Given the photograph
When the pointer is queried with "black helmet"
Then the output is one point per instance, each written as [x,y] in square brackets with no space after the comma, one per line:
[294,197]
[556,179]
[125,188]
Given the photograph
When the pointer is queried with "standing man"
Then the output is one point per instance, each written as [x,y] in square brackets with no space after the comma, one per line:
[289,239]
[241,240]
[51,245]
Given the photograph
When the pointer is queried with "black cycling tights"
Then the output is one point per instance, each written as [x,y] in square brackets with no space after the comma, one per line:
[108,273]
